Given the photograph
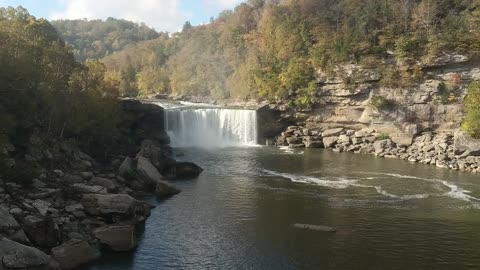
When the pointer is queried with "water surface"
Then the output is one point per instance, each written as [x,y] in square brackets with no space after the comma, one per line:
[239,214]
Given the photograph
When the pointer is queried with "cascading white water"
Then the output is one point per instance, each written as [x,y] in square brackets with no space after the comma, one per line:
[211,127]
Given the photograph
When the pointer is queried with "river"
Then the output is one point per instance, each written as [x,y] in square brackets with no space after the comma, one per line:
[239,214]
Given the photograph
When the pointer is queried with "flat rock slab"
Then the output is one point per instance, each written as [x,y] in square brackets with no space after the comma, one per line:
[318,228]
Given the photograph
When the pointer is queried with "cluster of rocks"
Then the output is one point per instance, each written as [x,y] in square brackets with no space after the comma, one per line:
[65,218]
[442,150]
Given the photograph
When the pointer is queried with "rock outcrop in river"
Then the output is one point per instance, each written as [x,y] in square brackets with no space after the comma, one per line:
[419,123]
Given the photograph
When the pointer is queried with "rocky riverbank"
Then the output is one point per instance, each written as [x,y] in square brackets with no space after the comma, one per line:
[73,207]
[454,151]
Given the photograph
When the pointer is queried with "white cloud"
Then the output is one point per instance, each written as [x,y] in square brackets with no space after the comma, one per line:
[163,15]
[222,4]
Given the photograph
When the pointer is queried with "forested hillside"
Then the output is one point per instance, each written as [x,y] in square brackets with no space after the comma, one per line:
[45,92]
[273,49]
[94,39]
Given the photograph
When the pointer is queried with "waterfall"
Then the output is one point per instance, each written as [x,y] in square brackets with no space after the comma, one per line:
[211,127]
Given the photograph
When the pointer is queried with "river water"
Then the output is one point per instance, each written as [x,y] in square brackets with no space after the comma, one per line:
[239,214]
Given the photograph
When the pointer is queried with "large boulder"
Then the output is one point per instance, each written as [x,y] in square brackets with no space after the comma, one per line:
[117,207]
[17,256]
[165,189]
[147,172]
[402,139]
[42,232]
[381,145]
[109,184]
[127,168]
[7,221]
[117,238]
[43,207]
[74,253]
[464,143]
[329,141]
[155,154]
[187,170]
[332,132]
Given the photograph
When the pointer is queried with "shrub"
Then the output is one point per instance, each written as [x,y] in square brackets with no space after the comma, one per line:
[471,124]
[448,92]
[382,103]
[382,136]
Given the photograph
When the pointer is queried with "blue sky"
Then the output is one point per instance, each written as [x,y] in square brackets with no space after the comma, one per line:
[163,15]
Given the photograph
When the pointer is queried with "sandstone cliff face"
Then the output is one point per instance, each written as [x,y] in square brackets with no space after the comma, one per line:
[424,106]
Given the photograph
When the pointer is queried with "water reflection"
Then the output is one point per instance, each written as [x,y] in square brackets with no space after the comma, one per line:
[239,215]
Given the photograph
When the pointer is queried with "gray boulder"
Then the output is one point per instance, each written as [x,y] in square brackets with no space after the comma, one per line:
[380,146]
[43,233]
[115,206]
[74,253]
[463,143]
[187,170]
[332,132]
[147,172]
[17,256]
[165,189]
[127,168]
[344,139]
[329,141]
[7,221]
[117,238]
[109,184]
[42,206]
[294,140]
[20,237]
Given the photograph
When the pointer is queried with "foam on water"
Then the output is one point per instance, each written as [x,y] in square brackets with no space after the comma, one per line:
[289,150]
[455,191]
[338,183]
[381,191]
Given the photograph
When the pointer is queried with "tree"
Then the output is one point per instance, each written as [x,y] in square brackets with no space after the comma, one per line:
[471,122]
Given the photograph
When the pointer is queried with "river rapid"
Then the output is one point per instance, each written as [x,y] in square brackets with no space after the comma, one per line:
[239,214]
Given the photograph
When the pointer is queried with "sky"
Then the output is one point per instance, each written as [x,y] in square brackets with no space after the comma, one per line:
[163,15]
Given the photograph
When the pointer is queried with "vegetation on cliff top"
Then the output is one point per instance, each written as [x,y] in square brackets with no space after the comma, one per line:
[273,49]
